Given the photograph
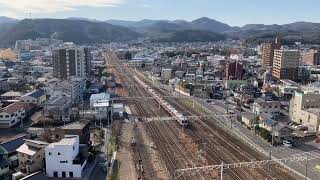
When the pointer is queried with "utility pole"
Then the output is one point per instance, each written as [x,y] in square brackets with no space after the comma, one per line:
[272,128]
[306,175]
[221,174]
[270,157]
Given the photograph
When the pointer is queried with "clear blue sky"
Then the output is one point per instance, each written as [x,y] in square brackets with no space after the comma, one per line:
[233,12]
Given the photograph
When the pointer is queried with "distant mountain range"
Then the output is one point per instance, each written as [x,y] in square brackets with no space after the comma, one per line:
[204,23]
[7,20]
[84,30]
[78,31]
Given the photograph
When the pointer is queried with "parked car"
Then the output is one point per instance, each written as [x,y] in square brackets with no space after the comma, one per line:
[287,144]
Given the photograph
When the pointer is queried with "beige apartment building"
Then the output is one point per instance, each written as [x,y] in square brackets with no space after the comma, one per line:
[268,53]
[31,156]
[311,57]
[305,109]
[286,64]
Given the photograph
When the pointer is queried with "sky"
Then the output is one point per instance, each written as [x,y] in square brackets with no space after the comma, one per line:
[232,12]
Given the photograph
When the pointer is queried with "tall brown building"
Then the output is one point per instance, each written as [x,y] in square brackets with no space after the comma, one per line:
[311,57]
[234,70]
[268,53]
[71,61]
[286,64]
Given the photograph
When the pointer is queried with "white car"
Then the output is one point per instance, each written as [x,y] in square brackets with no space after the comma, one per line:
[287,144]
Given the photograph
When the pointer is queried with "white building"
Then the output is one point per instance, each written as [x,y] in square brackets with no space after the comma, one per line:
[73,88]
[63,158]
[37,97]
[305,109]
[99,97]
[264,106]
[101,109]
[11,115]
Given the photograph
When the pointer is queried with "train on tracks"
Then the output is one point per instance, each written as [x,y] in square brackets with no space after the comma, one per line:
[181,119]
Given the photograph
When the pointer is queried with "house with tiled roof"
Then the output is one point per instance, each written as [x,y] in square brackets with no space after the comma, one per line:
[11,115]
[37,97]
[11,147]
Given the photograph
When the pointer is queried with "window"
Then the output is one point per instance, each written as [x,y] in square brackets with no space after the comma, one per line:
[1,116]
[50,153]
[63,162]
[55,174]
[29,157]
[59,153]
[63,174]
[7,116]
[70,174]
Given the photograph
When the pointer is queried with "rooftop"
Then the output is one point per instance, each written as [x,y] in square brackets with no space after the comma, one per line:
[12,108]
[12,94]
[263,102]
[28,150]
[71,140]
[58,100]
[37,176]
[12,145]
[118,105]
[76,125]
[36,94]
[101,103]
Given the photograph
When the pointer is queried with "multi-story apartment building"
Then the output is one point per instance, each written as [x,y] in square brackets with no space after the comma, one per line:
[31,156]
[286,64]
[311,57]
[234,70]
[37,97]
[305,109]
[63,158]
[268,53]
[73,88]
[71,60]
[264,106]
[88,59]
[11,115]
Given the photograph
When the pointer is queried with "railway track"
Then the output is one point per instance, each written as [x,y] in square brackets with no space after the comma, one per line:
[221,145]
[215,145]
